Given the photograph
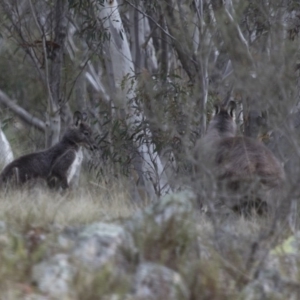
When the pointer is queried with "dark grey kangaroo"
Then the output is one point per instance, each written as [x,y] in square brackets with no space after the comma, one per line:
[56,164]
[239,162]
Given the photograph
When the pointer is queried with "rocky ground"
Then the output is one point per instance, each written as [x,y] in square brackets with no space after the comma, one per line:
[165,250]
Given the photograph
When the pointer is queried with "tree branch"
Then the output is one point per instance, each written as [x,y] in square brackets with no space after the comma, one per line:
[22,113]
[43,36]
[152,19]
[235,41]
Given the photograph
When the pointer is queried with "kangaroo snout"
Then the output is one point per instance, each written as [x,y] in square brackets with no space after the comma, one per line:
[88,142]
[93,147]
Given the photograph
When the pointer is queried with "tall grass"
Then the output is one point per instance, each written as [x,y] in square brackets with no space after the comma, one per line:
[83,205]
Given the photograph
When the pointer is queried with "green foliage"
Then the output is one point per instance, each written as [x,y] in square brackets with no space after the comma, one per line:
[166,111]
[116,147]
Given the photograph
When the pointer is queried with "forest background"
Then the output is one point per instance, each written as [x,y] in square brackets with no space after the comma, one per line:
[148,74]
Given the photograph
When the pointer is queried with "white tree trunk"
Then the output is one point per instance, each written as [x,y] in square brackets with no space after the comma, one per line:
[122,65]
[6,154]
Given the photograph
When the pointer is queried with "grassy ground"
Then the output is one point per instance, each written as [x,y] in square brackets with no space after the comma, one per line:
[94,202]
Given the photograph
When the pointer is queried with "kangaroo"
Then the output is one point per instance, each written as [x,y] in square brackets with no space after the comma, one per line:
[239,162]
[56,164]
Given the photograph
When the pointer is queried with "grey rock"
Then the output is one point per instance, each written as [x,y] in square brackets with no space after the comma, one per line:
[270,284]
[68,237]
[100,243]
[4,237]
[54,275]
[153,281]
[3,227]
[175,206]
[35,297]
[120,297]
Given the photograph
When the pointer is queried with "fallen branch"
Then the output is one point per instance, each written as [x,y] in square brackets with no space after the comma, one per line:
[21,112]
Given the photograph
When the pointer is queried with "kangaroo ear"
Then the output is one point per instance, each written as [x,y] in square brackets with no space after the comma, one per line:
[217,109]
[84,116]
[231,109]
[77,118]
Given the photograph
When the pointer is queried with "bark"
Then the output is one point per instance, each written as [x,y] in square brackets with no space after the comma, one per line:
[163,53]
[80,92]
[136,51]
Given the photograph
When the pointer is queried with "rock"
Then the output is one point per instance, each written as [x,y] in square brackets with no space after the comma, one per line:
[270,285]
[165,226]
[120,297]
[35,297]
[4,238]
[3,227]
[100,243]
[279,275]
[68,237]
[54,275]
[173,206]
[153,281]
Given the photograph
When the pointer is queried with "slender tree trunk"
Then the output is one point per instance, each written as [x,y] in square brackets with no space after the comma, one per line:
[6,154]
[56,57]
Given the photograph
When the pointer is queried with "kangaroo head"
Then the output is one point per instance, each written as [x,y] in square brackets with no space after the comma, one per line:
[223,120]
[80,132]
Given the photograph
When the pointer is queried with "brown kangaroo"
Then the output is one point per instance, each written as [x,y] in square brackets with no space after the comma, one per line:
[239,162]
[56,164]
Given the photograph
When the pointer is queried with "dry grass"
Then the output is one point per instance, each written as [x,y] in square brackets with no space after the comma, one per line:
[86,204]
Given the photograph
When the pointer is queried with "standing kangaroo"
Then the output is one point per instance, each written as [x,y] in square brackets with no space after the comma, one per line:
[239,163]
[58,163]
